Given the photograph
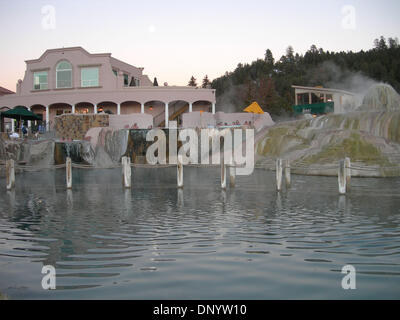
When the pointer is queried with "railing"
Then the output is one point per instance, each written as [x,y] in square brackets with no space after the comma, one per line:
[159,119]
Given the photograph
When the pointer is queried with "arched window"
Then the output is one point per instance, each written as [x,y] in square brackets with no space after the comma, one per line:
[64,75]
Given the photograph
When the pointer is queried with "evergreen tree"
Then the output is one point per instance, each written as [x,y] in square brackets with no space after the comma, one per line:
[290,54]
[382,43]
[155,83]
[270,83]
[192,82]
[269,58]
[249,94]
[206,82]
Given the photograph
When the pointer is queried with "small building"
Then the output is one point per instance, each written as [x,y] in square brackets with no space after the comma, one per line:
[319,100]
[72,80]
[4,91]
[6,122]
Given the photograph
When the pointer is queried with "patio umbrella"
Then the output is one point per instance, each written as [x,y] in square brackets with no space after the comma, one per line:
[19,113]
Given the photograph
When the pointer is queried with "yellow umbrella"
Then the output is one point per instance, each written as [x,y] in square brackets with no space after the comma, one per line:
[254,108]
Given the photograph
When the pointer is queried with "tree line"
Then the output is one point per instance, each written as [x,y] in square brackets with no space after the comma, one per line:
[269,82]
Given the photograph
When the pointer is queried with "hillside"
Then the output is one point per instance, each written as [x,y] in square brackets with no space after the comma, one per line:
[269,82]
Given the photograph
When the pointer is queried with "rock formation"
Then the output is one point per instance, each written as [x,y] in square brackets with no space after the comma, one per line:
[370,136]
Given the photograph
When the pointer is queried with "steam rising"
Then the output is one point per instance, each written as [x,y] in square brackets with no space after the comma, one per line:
[332,76]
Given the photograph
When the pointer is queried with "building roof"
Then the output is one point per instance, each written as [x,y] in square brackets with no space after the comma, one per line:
[324,90]
[68,49]
[4,91]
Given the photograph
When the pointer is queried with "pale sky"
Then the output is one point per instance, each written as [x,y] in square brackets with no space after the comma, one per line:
[174,40]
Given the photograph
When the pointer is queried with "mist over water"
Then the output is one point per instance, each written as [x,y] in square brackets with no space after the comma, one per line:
[157,242]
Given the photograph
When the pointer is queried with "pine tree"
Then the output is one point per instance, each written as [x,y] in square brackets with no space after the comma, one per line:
[290,54]
[192,82]
[206,82]
[382,43]
[249,93]
[155,83]
[269,58]
[270,83]
[268,97]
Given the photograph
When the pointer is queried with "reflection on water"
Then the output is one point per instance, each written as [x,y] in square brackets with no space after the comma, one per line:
[156,241]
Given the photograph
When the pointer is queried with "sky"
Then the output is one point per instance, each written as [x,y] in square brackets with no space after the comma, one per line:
[174,40]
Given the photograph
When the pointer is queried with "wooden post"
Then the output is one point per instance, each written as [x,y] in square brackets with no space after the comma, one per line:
[123,161]
[279,171]
[232,175]
[126,172]
[348,173]
[68,172]
[10,174]
[342,177]
[180,172]
[287,174]
[223,175]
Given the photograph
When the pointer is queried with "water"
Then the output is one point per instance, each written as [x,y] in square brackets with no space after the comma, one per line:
[156,242]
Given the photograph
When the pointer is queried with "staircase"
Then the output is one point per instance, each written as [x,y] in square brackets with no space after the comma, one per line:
[174,111]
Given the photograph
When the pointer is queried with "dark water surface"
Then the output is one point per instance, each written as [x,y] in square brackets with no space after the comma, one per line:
[155,242]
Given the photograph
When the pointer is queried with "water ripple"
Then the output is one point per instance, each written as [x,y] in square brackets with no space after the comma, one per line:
[157,242]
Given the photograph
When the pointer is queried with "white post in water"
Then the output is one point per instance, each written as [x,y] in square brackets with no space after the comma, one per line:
[348,173]
[223,174]
[10,174]
[279,171]
[342,177]
[180,172]
[287,174]
[232,174]
[126,172]
[68,172]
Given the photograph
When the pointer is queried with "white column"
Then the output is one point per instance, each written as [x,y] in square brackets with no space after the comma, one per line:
[12,125]
[279,171]
[29,121]
[342,179]
[47,118]
[180,172]
[73,108]
[118,108]
[10,174]
[232,174]
[348,172]
[309,98]
[142,108]
[223,174]
[287,173]
[95,108]
[213,108]
[68,172]
[126,172]
[166,115]
[190,107]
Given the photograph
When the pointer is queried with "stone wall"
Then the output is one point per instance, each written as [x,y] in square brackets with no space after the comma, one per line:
[220,119]
[75,126]
[131,121]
